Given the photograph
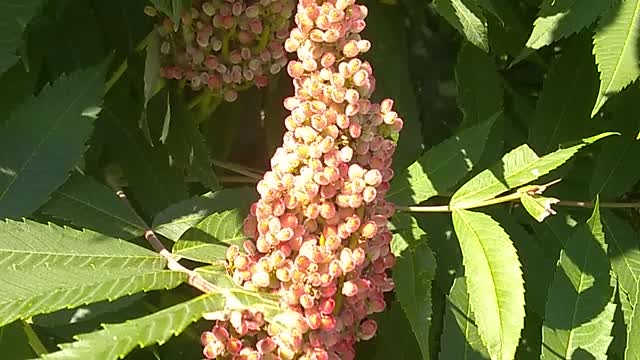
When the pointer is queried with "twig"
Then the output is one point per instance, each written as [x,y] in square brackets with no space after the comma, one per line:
[34,341]
[590,204]
[516,197]
[237,179]
[240,169]
[194,279]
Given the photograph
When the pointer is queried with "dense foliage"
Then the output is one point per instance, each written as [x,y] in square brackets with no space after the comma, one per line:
[185,179]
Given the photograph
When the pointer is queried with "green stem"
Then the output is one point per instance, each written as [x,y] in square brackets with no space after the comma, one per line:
[34,341]
[123,67]
[240,169]
[446,208]
[514,197]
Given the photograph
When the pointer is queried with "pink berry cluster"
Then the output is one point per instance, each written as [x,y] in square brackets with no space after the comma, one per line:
[225,45]
[319,235]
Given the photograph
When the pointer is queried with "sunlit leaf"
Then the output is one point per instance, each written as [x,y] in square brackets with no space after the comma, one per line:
[209,240]
[460,338]
[494,281]
[520,166]
[616,48]
[539,207]
[441,167]
[579,312]
[467,18]
[180,217]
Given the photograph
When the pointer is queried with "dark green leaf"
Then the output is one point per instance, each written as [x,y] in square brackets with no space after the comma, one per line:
[153,181]
[413,274]
[390,49]
[555,119]
[440,167]
[14,17]
[44,138]
[14,342]
[480,92]
[186,144]
[88,204]
[579,312]
[172,8]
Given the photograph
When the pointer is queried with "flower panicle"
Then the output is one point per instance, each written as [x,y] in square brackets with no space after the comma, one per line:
[224,46]
[319,232]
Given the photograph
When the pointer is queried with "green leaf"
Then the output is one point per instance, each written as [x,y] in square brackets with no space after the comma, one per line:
[480,92]
[616,48]
[614,168]
[14,17]
[539,207]
[26,292]
[86,203]
[518,167]
[44,138]
[14,342]
[180,217]
[494,281]
[556,120]
[153,181]
[117,340]
[441,167]
[460,338]
[391,46]
[466,17]
[172,8]
[560,18]
[624,254]
[186,144]
[579,313]
[413,273]
[393,333]
[209,240]
[30,244]
[16,86]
